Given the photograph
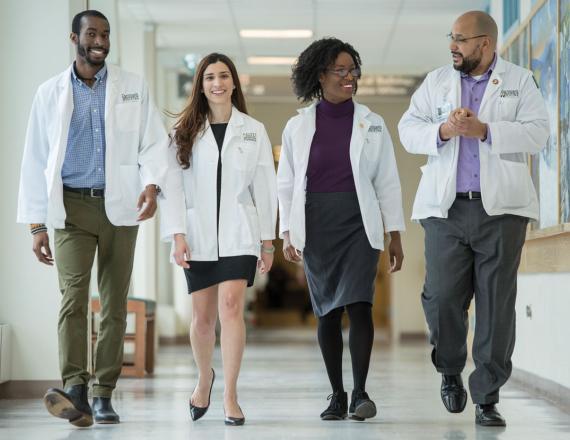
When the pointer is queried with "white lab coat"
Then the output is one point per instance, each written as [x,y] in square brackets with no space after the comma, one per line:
[135,154]
[515,111]
[373,166]
[248,199]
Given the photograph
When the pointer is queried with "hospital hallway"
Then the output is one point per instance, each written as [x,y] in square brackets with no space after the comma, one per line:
[282,390]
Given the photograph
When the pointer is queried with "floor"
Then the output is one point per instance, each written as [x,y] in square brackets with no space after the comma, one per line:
[283,388]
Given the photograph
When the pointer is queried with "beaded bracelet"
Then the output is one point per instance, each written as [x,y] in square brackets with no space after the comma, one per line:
[36,228]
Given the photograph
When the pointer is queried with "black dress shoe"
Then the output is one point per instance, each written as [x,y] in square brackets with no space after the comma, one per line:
[487,415]
[361,407]
[103,411]
[338,407]
[71,404]
[197,412]
[453,393]
[234,421]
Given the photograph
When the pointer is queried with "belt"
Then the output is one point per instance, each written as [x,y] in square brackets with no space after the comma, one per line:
[97,193]
[471,195]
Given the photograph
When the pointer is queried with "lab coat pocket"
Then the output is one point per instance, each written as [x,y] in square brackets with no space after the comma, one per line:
[508,109]
[250,229]
[514,187]
[429,187]
[244,156]
[127,116]
[130,185]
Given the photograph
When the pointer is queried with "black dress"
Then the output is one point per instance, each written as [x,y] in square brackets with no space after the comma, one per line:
[203,274]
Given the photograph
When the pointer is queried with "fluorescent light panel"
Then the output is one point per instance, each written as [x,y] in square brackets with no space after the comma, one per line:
[268,61]
[276,33]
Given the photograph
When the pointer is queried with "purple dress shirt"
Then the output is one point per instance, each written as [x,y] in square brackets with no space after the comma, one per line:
[468,165]
[329,168]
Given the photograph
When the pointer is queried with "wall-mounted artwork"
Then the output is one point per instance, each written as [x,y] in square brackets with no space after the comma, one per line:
[517,52]
[543,31]
[565,110]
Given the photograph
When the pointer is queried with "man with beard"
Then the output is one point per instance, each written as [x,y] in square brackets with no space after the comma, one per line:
[94,142]
[476,120]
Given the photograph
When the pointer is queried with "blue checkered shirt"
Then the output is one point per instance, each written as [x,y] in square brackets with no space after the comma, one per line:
[84,164]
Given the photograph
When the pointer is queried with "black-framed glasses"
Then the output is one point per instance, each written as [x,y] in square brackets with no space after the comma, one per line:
[343,73]
[458,40]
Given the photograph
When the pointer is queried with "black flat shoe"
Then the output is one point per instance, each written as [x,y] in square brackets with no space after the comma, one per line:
[234,421]
[70,404]
[338,408]
[361,407]
[103,411]
[453,393]
[197,412]
[487,415]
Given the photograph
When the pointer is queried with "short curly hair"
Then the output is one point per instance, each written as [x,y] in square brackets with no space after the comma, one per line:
[313,61]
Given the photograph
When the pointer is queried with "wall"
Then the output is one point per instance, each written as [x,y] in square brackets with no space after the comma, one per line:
[29,296]
[541,339]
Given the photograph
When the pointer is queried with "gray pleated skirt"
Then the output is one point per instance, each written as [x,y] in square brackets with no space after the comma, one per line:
[340,264]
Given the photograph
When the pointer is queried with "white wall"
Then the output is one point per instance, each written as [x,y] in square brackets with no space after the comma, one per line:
[34,42]
[542,338]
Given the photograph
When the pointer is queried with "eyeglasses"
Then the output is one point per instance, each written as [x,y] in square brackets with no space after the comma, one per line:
[343,73]
[459,40]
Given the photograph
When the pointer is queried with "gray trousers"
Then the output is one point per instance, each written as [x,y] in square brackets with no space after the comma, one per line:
[473,254]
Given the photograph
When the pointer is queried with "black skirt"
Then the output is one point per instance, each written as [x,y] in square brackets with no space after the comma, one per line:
[204,274]
[339,261]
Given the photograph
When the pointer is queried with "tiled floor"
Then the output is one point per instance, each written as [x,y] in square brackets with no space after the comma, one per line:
[283,388]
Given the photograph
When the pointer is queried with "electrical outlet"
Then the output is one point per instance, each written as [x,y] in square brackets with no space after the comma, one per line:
[529,311]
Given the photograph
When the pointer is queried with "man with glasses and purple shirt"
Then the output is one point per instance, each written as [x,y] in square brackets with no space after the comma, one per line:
[476,120]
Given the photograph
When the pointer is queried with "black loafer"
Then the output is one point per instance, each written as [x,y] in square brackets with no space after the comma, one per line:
[338,408]
[487,415]
[361,407]
[234,421]
[197,412]
[453,393]
[103,411]
[70,404]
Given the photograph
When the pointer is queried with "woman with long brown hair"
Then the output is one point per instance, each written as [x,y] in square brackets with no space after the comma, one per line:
[220,211]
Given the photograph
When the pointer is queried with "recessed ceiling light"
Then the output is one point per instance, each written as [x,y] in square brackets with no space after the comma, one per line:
[271,60]
[276,33]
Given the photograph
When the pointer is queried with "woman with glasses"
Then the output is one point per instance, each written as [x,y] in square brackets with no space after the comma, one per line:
[220,210]
[339,192]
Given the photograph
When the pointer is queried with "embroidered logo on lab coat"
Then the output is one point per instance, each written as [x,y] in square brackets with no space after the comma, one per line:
[250,137]
[130,97]
[509,93]
[375,129]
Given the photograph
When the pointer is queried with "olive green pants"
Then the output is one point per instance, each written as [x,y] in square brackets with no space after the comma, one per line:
[87,229]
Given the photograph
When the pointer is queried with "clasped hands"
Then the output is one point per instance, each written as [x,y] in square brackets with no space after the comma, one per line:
[462,122]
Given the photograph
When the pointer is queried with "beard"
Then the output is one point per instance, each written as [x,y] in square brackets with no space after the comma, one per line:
[84,52]
[469,64]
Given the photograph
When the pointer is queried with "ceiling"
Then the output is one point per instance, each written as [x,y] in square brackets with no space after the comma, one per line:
[392,37]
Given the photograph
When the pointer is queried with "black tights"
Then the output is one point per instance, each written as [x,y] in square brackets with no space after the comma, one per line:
[360,342]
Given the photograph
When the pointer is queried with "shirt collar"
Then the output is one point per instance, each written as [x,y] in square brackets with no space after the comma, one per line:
[99,76]
[487,74]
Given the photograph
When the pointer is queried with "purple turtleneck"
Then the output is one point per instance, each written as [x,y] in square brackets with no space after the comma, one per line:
[329,167]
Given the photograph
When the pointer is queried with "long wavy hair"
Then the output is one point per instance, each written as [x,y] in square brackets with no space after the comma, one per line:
[192,120]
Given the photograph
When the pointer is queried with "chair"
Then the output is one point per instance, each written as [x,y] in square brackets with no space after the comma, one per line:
[142,337]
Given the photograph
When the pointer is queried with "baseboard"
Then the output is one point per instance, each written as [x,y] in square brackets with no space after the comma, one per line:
[558,394]
[413,337]
[173,340]
[26,389]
